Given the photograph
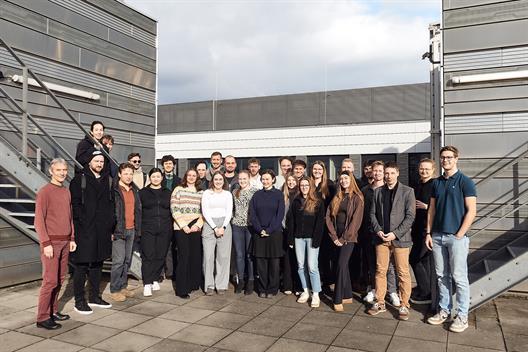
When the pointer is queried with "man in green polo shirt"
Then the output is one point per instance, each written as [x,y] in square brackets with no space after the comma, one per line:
[452,209]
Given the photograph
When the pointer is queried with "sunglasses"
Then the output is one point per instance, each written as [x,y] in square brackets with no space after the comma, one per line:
[135,161]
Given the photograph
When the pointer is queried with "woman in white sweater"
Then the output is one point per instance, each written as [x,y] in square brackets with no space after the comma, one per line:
[217,208]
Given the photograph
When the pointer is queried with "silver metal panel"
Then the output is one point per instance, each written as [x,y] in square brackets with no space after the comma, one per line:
[496,145]
[507,122]
[501,57]
[486,36]
[454,96]
[454,4]
[487,106]
[74,75]
[20,15]
[484,167]
[107,19]
[448,84]
[496,12]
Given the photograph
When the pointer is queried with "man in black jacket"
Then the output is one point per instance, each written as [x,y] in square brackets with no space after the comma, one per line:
[93,220]
[170,179]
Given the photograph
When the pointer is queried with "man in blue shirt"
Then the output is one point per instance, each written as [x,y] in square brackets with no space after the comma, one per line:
[452,209]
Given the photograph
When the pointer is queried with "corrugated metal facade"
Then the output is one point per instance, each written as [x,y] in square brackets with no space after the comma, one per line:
[103,47]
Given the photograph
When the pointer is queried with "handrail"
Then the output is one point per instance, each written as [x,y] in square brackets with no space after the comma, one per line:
[502,217]
[57,101]
[54,143]
[498,170]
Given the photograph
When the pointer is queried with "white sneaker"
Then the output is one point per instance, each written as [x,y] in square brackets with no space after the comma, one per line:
[147,290]
[156,286]
[303,298]
[394,299]
[371,295]
[315,301]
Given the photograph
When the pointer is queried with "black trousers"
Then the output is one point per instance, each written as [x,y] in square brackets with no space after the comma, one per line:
[343,285]
[420,260]
[170,263]
[154,248]
[328,255]
[188,271]
[268,271]
[290,271]
[93,270]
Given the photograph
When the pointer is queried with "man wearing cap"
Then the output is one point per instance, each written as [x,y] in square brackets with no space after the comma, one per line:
[93,220]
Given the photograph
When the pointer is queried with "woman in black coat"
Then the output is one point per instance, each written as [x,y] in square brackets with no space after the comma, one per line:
[86,147]
[156,230]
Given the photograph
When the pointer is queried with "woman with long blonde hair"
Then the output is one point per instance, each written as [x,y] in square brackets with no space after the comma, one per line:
[343,219]
[290,283]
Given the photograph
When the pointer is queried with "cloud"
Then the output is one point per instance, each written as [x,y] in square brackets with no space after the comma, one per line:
[234,49]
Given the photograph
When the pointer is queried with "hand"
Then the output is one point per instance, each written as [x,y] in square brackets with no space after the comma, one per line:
[381,235]
[389,237]
[48,251]
[291,246]
[429,242]
[195,228]
[73,246]
[186,229]
[113,237]
[459,237]
[221,230]
[218,232]
[421,205]
[338,243]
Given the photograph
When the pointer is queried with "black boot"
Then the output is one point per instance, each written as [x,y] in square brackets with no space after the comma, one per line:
[249,287]
[239,286]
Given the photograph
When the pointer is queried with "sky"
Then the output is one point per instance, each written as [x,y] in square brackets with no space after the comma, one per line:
[248,48]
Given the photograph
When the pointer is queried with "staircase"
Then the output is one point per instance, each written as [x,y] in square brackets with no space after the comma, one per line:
[25,154]
[502,269]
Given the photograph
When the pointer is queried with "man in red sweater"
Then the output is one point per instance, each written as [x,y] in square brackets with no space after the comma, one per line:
[54,226]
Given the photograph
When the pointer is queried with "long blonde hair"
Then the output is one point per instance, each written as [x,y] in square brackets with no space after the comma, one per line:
[342,193]
[285,189]
[325,192]
[311,201]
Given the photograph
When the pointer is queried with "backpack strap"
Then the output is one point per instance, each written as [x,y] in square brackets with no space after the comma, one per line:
[83,187]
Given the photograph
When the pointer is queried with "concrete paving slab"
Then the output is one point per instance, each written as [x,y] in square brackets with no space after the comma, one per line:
[132,301]
[478,338]
[211,302]
[16,320]
[267,327]
[361,341]
[421,331]
[225,320]
[13,340]
[451,347]
[516,343]
[127,342]
[176,346]
[371,325]
[341,349]
[122,320]
[313,333]
[87,335]
[326,318]
[150,308]
[284,313]
[245,342]
[20,302]
[98,313]
[283,345]
[245,308]
[51,345]
[186,314]
[201,335]
[405,344]
[67,325]
[158,327]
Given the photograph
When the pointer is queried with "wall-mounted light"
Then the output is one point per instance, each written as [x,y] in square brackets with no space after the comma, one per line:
[485,77]
[58,88]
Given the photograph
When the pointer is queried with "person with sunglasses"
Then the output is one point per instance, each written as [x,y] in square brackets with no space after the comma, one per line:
[140,178]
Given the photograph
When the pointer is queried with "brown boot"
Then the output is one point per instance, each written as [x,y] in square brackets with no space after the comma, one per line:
[338,307]
[128,293]
[348,301]
[118,297]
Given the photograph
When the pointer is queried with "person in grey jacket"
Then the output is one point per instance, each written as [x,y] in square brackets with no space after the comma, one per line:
[391,216]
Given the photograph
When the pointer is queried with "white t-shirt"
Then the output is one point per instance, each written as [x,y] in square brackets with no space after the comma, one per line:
[255,182]
[217,205]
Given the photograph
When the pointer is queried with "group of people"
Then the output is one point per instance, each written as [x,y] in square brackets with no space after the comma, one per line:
[296,232]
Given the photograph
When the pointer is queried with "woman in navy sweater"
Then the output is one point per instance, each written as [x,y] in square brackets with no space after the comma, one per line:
[266,211]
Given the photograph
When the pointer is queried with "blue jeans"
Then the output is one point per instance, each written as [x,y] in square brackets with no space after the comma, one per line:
[450,258]
[121,260]
[303,247]
[244,262]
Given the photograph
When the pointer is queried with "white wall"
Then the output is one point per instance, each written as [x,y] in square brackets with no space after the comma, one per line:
[400,137]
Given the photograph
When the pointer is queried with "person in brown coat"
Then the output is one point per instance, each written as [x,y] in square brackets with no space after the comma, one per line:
[343,219]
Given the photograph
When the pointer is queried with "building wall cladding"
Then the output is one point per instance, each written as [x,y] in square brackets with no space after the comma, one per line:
[99,46]
[355,106]
[488,120]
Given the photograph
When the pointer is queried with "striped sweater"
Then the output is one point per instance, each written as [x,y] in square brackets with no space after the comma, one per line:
[185,207]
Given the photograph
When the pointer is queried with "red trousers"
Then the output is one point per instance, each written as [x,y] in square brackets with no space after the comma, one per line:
[53,272]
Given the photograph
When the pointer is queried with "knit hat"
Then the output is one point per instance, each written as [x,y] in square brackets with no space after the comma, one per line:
[94,154]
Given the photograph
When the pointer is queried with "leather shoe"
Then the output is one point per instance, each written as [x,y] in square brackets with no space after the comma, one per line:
[60,317]
[49,324]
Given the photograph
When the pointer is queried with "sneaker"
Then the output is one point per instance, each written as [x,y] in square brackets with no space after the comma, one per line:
[371,295]
[315,301]
[99,303]
[403,313]
[303,298]
[209,292]
[438,318]
[128,293]
[239,287]
[118,297]
[83,308]
[147,290]
[221,292]
[376,309]
[156,286]
[459,324]
[394,299]
[249,287]
[288,292]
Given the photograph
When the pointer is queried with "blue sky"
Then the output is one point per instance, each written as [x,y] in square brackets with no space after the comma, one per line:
[234,49]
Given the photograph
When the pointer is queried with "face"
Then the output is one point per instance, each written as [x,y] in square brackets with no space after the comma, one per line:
[126,176]
[285,166]
[218,182]
[98,131]
[347,166]
[136,162]
[305,187]
[378,172]
[155,179]
[317,171]
[168,166]
[344,181]
[391,176]
[201,169]
[367,171]
[191,177]
[254,169]
[291,182]
[97,163]
[448,160]
[298,171]
[267,181]
[216,161]
[425,170]
[59,172]
[230,164]
[243,180]
[108,144]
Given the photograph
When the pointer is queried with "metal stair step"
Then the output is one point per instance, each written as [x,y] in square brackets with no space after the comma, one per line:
[22,214]
[8,185]
[16,200]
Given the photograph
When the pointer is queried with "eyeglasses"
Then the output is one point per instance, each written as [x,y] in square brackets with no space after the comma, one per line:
[135,161]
